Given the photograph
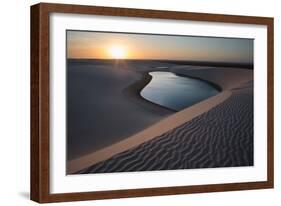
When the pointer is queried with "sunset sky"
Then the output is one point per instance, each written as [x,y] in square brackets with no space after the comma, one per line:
[100,45]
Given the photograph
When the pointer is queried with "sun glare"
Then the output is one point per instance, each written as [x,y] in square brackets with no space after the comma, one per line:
[117,52]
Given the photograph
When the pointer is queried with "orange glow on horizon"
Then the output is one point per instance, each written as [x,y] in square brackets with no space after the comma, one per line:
[117,52]
[102,45]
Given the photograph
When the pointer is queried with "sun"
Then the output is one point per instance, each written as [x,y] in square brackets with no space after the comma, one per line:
[117,52]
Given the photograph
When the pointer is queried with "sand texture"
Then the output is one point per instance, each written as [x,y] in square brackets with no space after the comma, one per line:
[221,135]
[150,133]
[99,93]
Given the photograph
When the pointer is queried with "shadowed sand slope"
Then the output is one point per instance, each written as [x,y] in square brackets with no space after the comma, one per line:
[97,96]
[220,137]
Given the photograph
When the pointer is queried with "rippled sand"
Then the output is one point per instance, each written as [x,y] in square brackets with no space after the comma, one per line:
[221,136]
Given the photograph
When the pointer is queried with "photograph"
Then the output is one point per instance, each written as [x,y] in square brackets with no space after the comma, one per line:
[139,102]
[129,102]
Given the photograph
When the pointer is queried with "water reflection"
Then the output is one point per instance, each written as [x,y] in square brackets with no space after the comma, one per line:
[176,92]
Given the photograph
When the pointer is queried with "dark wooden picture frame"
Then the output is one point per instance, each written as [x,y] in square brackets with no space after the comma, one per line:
[40,102]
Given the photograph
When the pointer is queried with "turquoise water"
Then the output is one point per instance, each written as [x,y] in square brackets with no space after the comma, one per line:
[176,92]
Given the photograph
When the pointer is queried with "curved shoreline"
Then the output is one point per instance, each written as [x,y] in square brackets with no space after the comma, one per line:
[150,133]
[219,137]
[133,92]
[226,78]
[155,130]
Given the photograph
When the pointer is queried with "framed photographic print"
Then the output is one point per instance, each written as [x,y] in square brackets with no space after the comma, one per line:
[131,102]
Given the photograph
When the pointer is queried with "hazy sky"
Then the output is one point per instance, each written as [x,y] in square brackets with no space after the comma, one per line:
[102,45]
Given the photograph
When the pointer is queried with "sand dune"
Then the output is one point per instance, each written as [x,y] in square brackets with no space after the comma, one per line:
[226,78]
[148,134]
[96,101]
[220,135]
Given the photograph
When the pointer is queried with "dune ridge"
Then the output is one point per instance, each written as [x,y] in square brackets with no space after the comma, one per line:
[207,141]
[220,136]
[148,134]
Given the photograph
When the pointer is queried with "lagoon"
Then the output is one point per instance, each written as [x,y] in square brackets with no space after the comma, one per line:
[176,92]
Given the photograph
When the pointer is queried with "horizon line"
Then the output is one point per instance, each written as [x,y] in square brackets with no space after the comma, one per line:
[178,60]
